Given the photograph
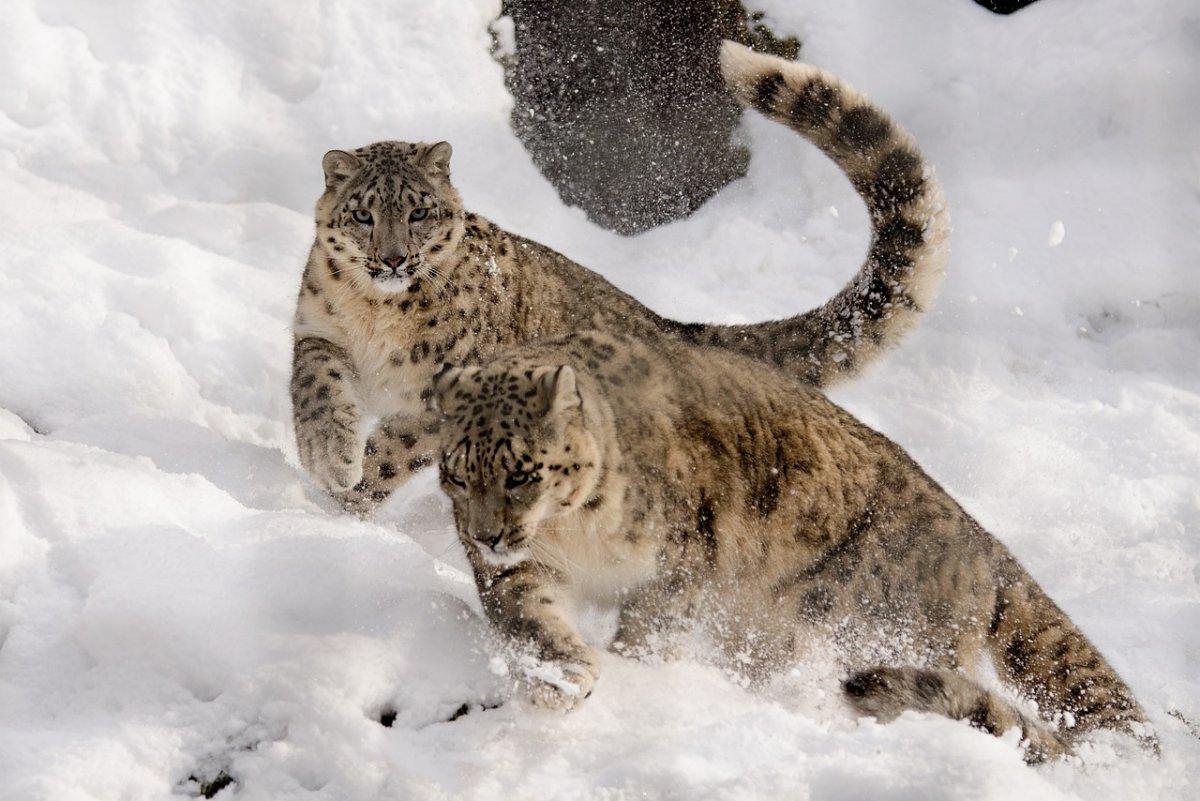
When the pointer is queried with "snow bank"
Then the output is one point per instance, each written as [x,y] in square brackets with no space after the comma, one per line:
[177,602]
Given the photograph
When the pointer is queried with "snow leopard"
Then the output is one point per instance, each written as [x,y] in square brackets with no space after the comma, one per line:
[698,490]
[401,278]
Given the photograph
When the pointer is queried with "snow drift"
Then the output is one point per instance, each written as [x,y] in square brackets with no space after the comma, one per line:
[176,601]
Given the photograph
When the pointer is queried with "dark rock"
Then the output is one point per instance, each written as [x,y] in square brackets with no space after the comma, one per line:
[622,106]
[1004,6]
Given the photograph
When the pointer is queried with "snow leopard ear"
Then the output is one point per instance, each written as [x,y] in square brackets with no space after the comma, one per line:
[441,379]
[338,166]
[558,390]
[437,158]
[446,379]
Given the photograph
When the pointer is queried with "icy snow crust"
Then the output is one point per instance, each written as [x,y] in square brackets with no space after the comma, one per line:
[176,600]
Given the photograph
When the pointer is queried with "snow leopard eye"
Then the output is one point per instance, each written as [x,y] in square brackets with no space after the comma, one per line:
[515,480]
[416,215]
[361,216]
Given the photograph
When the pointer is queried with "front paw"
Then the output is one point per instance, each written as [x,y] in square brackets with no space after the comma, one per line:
[341,477]
[360,500]
[334,458]
[557,686]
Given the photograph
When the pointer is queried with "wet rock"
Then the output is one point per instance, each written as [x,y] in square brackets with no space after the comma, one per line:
[622,106]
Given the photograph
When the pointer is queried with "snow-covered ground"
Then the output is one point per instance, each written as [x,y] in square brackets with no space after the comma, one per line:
[176,600]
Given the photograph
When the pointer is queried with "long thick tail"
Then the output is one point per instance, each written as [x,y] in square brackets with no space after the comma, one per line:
[908,248]
[885,692]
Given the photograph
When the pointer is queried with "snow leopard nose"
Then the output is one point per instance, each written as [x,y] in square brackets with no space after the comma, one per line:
[488,538]
[394,260]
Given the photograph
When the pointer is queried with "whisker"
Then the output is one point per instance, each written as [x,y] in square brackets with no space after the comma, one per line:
[447,549]
[441,281]
[557,560]
[543,562]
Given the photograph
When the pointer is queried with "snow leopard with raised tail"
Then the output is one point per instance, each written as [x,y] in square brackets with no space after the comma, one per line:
[698,490]
[401,278]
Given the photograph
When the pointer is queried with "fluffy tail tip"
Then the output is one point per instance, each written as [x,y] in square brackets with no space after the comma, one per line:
[743,70]
[740,66]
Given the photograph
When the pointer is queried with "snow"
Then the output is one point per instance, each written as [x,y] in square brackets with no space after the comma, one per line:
[176,600]
[1058,232]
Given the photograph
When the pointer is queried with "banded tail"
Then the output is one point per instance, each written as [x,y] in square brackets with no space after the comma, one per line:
[908,252]
[885,692]
[1037,650]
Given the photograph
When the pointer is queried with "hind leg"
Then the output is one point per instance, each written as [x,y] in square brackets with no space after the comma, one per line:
[1041,652]
[885,692]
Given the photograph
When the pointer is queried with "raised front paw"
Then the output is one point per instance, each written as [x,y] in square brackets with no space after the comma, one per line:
[342,474]
[361,499]
[559,686]
[333,456]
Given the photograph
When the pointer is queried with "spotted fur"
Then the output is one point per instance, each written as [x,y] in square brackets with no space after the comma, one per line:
[910,224]
[401,278]
[694,487]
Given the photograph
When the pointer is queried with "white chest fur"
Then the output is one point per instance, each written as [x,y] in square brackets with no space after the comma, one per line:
[389,381]
[601,564]
[380,343]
